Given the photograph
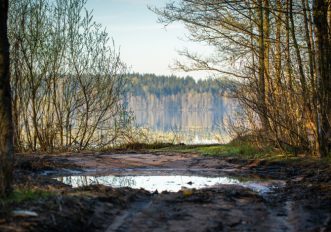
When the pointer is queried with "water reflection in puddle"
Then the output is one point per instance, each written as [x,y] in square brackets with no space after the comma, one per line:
[172,183]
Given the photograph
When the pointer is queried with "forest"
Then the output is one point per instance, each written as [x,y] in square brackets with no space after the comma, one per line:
[181,105]
[72,158]
[144,84]
[280,50]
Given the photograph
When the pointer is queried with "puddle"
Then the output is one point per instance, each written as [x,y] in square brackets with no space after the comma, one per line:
[170,183]
[61,171]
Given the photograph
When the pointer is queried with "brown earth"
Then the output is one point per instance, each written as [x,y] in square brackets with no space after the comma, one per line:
[304,204]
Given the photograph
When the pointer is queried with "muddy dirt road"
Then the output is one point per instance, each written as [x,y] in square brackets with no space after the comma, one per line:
[263,196]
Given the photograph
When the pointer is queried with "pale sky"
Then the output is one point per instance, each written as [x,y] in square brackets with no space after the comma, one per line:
[145,45]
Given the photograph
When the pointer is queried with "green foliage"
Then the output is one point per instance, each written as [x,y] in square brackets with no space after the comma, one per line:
[143,146]
[326,159]
[242,150]
[21,195]
[245,150]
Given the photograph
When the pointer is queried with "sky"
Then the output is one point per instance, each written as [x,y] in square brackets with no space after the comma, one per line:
[146,46]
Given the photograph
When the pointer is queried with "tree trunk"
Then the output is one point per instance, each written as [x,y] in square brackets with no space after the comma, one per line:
[6,127]
[262,70]
[288,49]
[278,56]
[323,53]
[266,36]
[300,63]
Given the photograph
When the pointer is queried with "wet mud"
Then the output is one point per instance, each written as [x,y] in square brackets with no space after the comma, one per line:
[302,203]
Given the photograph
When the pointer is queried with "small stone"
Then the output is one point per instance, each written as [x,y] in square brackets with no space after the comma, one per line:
[24,213]
[297,179]
[187,192]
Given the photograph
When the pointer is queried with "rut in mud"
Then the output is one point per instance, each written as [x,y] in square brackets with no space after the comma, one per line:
[228,209]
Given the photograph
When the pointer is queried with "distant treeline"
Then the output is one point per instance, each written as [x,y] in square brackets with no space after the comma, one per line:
[145,84]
